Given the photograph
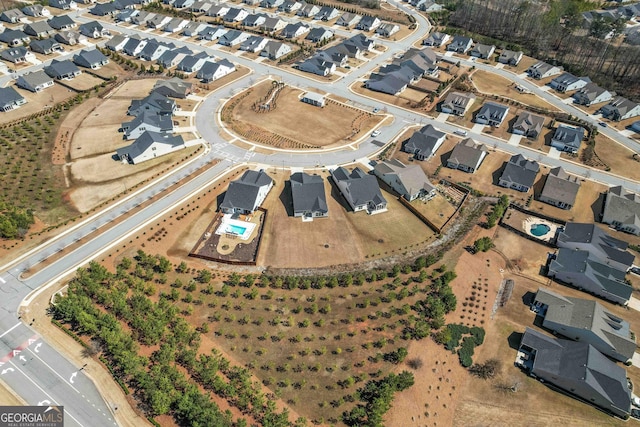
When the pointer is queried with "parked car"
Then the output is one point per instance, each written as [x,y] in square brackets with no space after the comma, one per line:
[375,110]
[460,132]
[375,133]
[603,124]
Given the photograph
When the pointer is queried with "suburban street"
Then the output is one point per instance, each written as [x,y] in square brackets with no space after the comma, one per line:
[41,375]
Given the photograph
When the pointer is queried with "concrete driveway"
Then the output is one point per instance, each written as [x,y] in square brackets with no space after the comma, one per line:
[634,303]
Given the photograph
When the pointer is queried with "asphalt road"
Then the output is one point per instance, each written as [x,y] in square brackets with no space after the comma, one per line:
[41,375]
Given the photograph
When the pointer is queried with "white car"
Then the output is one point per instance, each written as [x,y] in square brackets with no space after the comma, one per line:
[460,132]
[375,133]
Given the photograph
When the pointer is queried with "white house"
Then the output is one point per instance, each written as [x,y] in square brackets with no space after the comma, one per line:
[149,146]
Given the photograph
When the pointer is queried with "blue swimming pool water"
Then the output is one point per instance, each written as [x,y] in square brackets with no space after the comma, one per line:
[236,229]
[539,230]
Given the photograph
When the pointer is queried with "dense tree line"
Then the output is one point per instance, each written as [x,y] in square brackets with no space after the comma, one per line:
[555,30]
[14,222]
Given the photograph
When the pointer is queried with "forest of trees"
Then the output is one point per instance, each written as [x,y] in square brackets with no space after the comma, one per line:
[14,222]
[554,30]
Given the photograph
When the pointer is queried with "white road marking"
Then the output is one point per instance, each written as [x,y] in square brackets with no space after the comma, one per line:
[2,280]
[9,330]
[73,376]
[54,371]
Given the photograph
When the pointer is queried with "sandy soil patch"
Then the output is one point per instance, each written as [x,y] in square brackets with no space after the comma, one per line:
[95,140]
[37,101]
[617,157]
[84,81]
[494,84]
[134,89]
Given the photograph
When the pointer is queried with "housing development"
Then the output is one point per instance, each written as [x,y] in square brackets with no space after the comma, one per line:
[343,213]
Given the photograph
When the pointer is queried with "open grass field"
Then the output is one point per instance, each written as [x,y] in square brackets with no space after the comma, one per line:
[342,238]
[618,158]
[334,125]
[492,84]
[37,101]
[84,81]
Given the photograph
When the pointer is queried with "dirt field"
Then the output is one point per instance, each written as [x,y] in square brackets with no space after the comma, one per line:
[333,125]
[37,101]
[490,83]
[343,237]
[619,158]
[84,81]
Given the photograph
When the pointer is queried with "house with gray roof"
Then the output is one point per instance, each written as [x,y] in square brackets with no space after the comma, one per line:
[327,13]
[14,37]
[620,109]
[192,29]
[510,57]
[233,38]
[254,20]
[568,82]
[592,94]
[211,71]
[392,83]
[201,7]
[154,50]
[457,103]
[218,10]
[318,66]
[183,4]
[93,29]
[567,138]
[313,98]
[578,369]
[460,44]
[601,245]
[126,15]
[622,210]
[10,99]
[308,10]
[428,6]
[424,143]
[174,88]
[45,46]
[436,39]
[70,37]
[275,50]
[212,33]
[519,173]
[560,189]
[492,114]
[175,25]
[142,18]
[273,24]
[38,29]
[268,4]
[63,4]
[149,146]
[467,155]
[93,59]
[319,34]
[587,321]
[528,124]
[368,23]
[482,51]
[13,16]
[254,44]
[62,22]
[62,70]
[308,196]
[124,4]
[36,81]
[387,29]
[289,6]
[235,15]
[104,9]
[193,63]
[582,270]
[147,121]
[158,21]
[409,182]
[541,70]
[360,190]
[295,30]
[17,55]
[36,10]
[247,193]
[348,19]
[155,103]
[172,57]
[117,42]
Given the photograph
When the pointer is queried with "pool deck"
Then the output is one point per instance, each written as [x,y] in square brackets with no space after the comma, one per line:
[531,221]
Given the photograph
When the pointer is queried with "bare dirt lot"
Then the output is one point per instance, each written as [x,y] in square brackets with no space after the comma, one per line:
[37,101]
[84,81]
[490,83]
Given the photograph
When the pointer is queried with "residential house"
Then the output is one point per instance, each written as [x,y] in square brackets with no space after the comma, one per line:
[409,182]
[457,103]
[270,4]
[327,13]
[13,16]
[218,10]
[93,59]
[635,126]
[424,143]
[333,54]
[254,20]
[149,146]
[289,6]
[368,23]
[392,83]
[560,189]
[567,138]
[212,33]
[275,50]
[619,109]
[492,113]
[542,70]
[247,193]
[183,4]
[428,6]
[387,29]
[147,121]
[153,50]
[235,15]
[134,46]
[314,99]
[93,29]
[175,25]
[582,270]
[528,124]
[63,4]
[104,9]
[460,44]
[568,82]
[233,38]
[467,155]
[318,66]
[360,190]
[295,30]
[172,57]
[126,15]
[124,4]
[117,42]
[251,2]
[576,368]
[622,210]
[482,51]
[174,88]
[273,24]
[519,173]
[154,103]
[17,55]
[201,7]
[61,22]
[308,10]
[601,245]
[254,44]
[70,37]
[10,99]
[587,321]
[436,39]
[62,70]
[36,81]
[348,19]
[193,63]
[211,71]
[143,18]
[510,57]
[192,29]
[308,196]
[45,46]
[592,94]
[14,37]
[158,21]
[38,29]
[319,34]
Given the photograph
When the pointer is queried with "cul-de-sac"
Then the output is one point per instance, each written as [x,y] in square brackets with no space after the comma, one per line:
[282,213]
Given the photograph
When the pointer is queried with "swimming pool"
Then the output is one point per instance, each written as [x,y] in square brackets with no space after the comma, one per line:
[539,230]
[235,229]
